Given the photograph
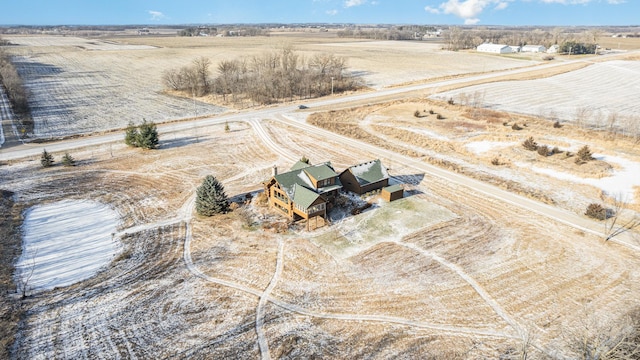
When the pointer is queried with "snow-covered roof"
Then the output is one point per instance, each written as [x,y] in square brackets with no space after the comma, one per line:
[369,172]
[491,47]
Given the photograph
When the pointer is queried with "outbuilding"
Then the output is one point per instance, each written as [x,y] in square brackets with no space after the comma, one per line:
[533,48]
[494,48]
[554,49]
[392,193]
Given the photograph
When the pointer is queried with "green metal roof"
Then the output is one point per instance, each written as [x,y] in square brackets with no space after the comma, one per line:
[369,172]
[303,196]
[321,172]
[393,188]
[299,187]
[299,165]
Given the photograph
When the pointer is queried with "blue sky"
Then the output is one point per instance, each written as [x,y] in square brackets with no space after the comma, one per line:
[480,12]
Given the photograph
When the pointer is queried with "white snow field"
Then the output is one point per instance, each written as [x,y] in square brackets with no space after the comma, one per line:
[622,182]
[594,92]
[75,90]
[65,242]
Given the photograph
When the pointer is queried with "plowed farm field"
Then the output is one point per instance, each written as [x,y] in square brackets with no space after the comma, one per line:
[592,96]
[444,273]
[450,271]
[81,86]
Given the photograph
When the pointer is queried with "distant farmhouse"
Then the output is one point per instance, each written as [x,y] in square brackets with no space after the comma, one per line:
[533,49]
[307,191]
[554,49]
[494,48]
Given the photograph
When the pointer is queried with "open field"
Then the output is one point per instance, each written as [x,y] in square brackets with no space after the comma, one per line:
[81,86]
[473,280]
[449,272]
[589,96]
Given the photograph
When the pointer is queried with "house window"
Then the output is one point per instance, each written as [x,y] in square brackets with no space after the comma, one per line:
[278,195]
[326,182]
[281,208]
[316,208]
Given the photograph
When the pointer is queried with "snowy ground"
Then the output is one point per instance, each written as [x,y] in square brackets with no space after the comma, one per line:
[591,94]
[621,182]
[65,242]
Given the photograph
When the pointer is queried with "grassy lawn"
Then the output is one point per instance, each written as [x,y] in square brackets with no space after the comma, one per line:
[382,222]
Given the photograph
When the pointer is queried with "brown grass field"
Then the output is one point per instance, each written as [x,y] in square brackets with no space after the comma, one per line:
[446,273]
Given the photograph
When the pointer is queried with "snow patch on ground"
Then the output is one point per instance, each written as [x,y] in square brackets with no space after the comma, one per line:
[479,147]
[621,182]
[65,242]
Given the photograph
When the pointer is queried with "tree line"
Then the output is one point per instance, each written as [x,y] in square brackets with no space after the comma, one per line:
[227,31]
[12,82]
[272,77]
[396,33]
[457,38]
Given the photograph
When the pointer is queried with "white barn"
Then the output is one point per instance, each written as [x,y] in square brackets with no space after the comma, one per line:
[494,48]
[533,48]
[554,49]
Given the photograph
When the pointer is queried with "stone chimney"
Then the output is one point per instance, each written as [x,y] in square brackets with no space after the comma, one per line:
[275,170]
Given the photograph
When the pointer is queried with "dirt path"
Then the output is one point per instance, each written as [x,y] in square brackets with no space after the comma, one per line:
[560,215]
[264,298]
[471,281]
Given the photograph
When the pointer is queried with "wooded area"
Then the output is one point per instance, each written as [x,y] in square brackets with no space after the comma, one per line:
[265,79]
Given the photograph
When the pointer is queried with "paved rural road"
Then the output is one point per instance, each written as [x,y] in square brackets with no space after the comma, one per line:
[563,216]
[35,149]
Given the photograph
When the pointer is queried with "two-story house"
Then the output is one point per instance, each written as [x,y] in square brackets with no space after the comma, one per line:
[304,191]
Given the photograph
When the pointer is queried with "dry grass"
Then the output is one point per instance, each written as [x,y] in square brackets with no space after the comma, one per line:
[494,268]
[10,310]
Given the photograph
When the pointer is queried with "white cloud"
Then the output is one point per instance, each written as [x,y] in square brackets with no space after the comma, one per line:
[332,12]
[351,3]
[431,10]
[502,5]
[470,9]
[156,15]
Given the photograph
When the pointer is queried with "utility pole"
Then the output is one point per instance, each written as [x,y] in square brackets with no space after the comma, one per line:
[332,85]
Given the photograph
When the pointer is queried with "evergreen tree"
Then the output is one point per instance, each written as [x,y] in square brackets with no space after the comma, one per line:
[68,160]
[148,135]
[530,144]
[131,135]
[211,198]
[584,154]
[46,159]
[226,126]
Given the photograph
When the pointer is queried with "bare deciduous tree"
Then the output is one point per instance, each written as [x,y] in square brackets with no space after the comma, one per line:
[24,278]
[612,339]
[201,68]
[614,224]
